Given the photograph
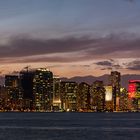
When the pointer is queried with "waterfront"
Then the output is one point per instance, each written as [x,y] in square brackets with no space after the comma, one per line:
[69,126]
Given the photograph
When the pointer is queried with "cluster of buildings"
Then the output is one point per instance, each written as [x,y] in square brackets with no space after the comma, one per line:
[39,90]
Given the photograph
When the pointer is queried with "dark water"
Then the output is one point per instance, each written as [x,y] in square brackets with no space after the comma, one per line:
[69,126]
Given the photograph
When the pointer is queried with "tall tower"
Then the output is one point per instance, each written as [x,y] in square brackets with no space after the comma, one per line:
[13,89]
[43,89]
[109,98]
[69,95]
[56,93]
[97,92]
[26,80]
[115,82]
[83,97]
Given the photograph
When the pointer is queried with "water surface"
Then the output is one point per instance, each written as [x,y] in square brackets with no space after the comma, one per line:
[69,126]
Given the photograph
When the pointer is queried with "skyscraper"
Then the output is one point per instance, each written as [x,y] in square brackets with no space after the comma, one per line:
[56,93]
[69,95]
[26,80]
[108,98]
[43,89]
[115,82]
[14,93]
[3,98]
[83,97]
[123,99]
[97,92]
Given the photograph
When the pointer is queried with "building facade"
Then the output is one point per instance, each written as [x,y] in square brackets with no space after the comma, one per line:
[115,82]
[43,90]
[69,96]
[26,80]
[56,94]
[109,106]
[123,99]
[3,98]
[14,94]
[134,94]
[97,92]
[83,97]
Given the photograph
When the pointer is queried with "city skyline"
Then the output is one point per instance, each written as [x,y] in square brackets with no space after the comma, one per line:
[70,38]
[40,90]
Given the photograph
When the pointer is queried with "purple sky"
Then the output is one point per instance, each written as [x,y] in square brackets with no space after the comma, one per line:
[70,37]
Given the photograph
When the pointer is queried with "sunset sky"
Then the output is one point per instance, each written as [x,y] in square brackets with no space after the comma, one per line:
[70,37]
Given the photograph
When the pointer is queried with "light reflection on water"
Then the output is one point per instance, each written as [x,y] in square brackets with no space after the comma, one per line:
[69,126]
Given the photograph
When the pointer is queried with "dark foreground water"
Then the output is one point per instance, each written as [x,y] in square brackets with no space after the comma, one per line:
[69,126]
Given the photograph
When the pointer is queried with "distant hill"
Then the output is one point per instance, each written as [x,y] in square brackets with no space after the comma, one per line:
[90,79]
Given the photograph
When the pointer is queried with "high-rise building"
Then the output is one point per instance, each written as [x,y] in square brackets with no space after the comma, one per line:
[3,98]
[123,99]
[134,94]
[108,98]
[43,89]
[13,88]
[83,97]
[97,92]
[56,93]
[115,82]
[26,80]
[69,95]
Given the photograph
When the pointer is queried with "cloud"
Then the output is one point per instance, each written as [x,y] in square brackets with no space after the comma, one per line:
[109,64]
[28,46]
[27,49]
[55,58]
[104,63]
[134,65]
[113,64]
[120,46]
[82,66]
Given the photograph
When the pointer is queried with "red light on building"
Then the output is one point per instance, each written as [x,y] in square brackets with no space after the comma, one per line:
[132,90]
[134,81]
